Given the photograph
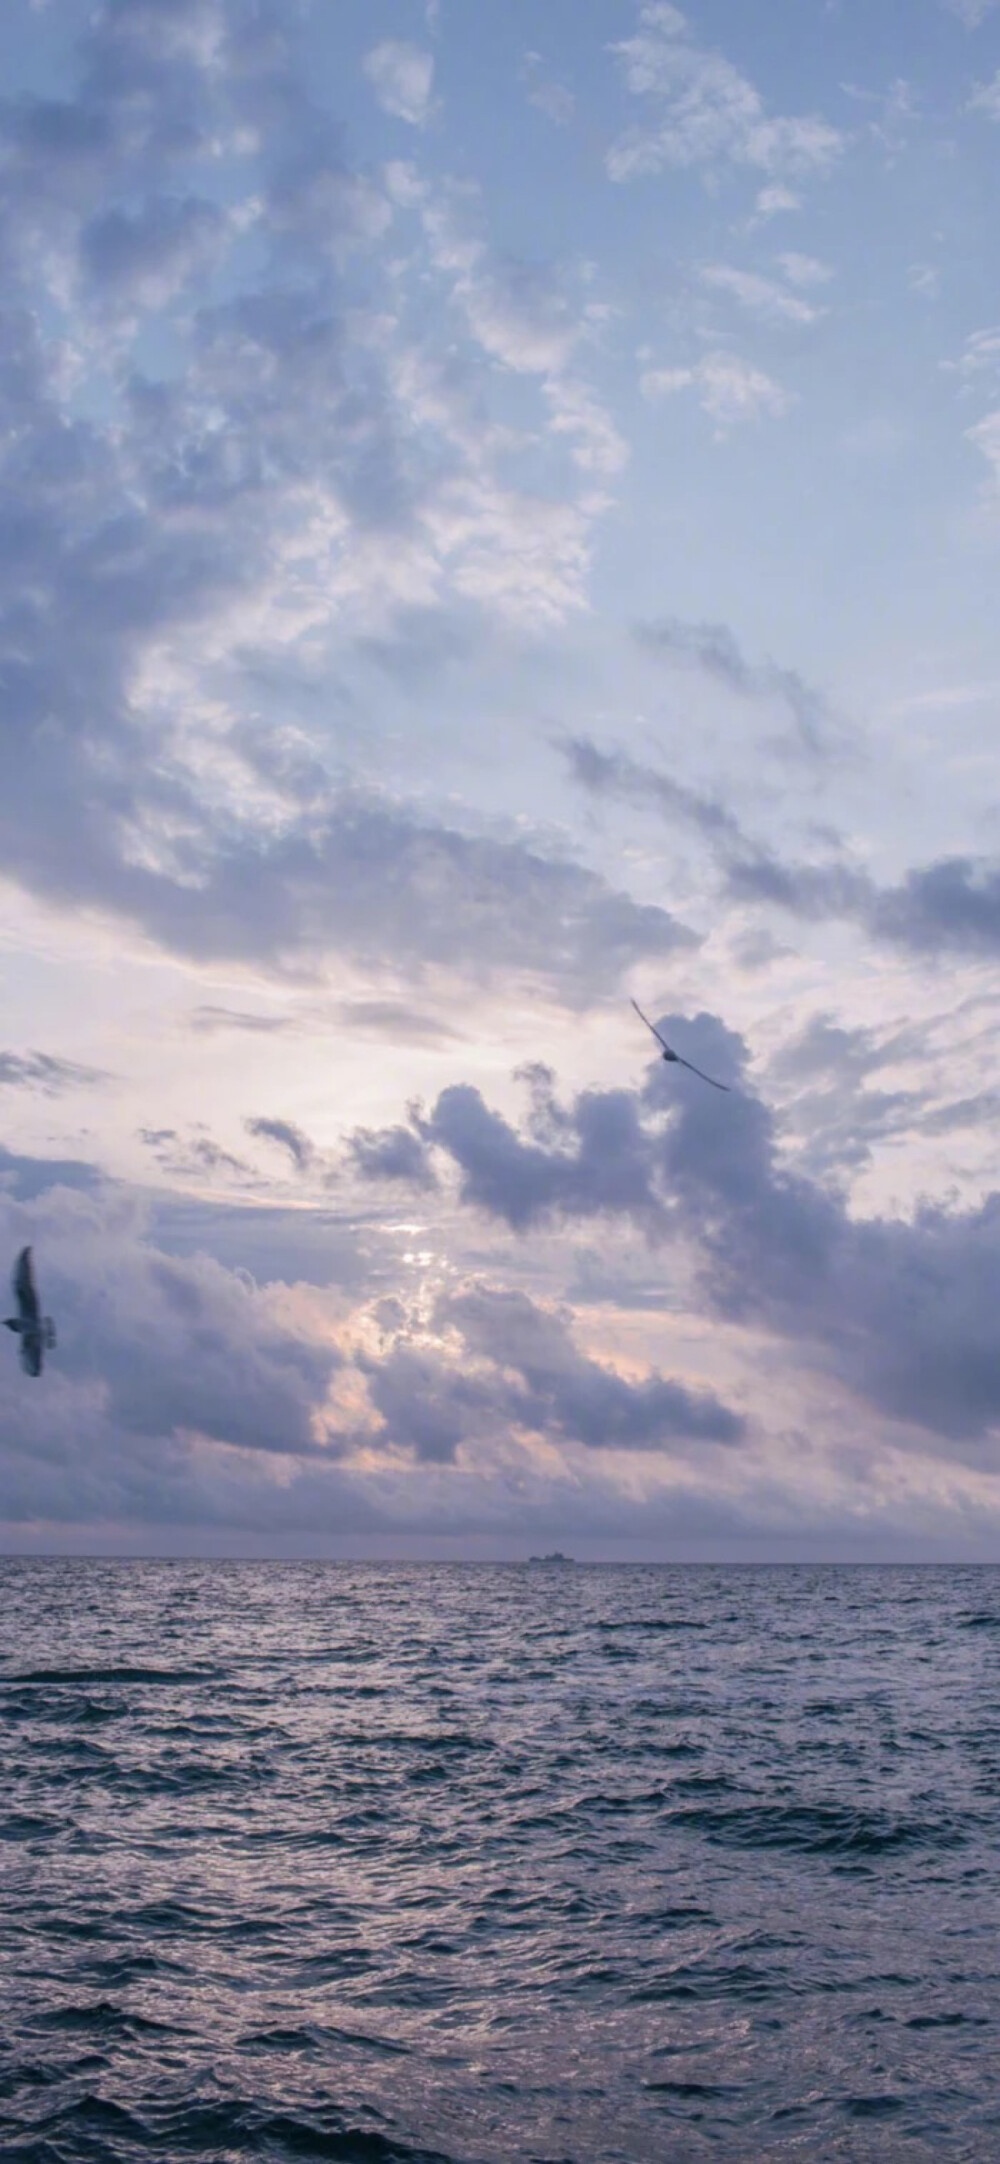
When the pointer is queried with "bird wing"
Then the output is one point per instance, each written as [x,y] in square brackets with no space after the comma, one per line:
[31,1354]
[689,1064]
[651,1027]
[24,1287]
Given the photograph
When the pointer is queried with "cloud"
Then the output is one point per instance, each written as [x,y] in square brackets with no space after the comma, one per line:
[729,389]
[950,906]
[986,98]
[43,1072]
[714,649]
[144,257]
[762,297]
[986,437]
[193,1156]
[402,77]
[600,1162]
[307,472]
[898,1312]
[509,1362]
[804,270]
[616,774]
[704,112]
[971,12]
[392,1153]
[573,1396]
[209,1020]
[286,1137]
[154,1352]
[394,1019]
[774,199]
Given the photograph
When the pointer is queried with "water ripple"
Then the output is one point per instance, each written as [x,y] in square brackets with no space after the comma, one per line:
[455,1865]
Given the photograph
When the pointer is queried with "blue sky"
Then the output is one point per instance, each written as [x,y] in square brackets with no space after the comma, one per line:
[502,515]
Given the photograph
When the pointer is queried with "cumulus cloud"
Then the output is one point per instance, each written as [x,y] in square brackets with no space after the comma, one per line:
[392,1153]
[774,199]
[899,1312]
[155,1349]
[730,390]
[402,77]
[509,1362]
[703,111]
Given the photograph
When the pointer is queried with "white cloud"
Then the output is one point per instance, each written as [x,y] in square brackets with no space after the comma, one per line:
[986,98]
[729,389]
[804,270]
[981,356]
[402,77]
[971,12]
[551,98]
[761,296]
[925,279]
[705,111]
[986,437]
[775,199]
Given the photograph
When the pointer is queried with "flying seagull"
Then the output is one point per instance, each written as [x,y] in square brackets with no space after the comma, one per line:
[35,1330]
[668,1053]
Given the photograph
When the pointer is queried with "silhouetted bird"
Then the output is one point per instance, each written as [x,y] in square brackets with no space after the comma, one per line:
[668,1053]
[37,1332]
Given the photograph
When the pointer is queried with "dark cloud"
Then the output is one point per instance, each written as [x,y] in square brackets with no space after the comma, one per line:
[632,781]
[392,1018]
[713,649]
[287,1137]
[952,906]
[208,1020]
[154,1348]
[949,907]
[601,1162]
[392,1153]
[25,1177]
[43,1072]
[191,1156]
[516,1365]
[900,1311]
[568,1394]
[144,256]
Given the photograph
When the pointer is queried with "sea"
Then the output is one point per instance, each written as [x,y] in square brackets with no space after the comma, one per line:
[447,1864]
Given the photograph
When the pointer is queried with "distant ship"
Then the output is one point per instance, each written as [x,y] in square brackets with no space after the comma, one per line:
[556,1557]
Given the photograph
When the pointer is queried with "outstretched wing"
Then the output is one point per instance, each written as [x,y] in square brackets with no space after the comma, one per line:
[700,1071]
[24,1289]
[31,1354]
[653,1030]
[671,1054]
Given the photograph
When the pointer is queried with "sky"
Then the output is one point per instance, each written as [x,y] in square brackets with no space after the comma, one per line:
[501,516]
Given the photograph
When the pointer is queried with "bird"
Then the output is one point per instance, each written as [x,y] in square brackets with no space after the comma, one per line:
[669,1053]
[35,1330]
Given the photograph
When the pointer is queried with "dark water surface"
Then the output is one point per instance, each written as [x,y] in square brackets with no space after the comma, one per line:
[371,1863]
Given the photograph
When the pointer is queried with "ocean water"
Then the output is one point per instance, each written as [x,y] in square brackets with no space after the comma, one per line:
[428,1862]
